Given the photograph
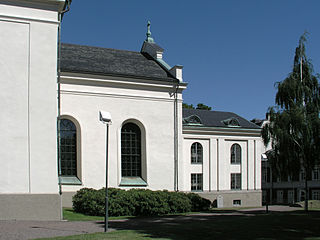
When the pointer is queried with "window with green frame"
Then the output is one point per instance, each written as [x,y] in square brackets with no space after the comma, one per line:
[68,148]
[130,150]
[196,182]
[196,153]
[235,181]
[235,154]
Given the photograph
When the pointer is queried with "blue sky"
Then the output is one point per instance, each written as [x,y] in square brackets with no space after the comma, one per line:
[232,51]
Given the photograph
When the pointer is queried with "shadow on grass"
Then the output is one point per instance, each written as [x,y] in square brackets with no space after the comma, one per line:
[226,225]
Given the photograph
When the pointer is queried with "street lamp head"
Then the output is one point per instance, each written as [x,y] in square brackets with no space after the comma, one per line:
[105,117]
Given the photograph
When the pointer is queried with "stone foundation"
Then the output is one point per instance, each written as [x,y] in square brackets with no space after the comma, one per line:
[30,207]
[226,199]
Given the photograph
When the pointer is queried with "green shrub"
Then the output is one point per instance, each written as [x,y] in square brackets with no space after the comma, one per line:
[179,202]
[136,202]
[89,201]
[198,203]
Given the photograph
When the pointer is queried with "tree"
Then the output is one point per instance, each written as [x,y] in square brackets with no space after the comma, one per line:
[294,124]
[199,106]
[186,105]
[203,107]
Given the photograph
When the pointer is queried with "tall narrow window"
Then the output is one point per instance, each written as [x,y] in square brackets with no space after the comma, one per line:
[235,154]
[196,182]
[315,174]
[235,181]
[130,150]
[196,153]
[68,148]
[315,194]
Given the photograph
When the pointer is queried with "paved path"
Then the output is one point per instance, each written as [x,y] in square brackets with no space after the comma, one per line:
[23,230]
[273,208]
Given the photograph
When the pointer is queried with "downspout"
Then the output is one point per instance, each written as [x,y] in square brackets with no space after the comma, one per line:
[176,140]
[60,15]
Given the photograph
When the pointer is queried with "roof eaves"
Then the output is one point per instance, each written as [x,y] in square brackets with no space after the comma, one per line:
[202,127]
[124,75]
[165,66]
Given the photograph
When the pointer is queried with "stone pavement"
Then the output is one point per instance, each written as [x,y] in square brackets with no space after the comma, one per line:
[23,230]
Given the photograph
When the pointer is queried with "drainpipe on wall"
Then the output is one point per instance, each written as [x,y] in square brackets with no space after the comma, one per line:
[176,72]
[176,141]
[60,16]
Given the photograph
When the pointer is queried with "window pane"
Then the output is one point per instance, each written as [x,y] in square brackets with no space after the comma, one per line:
[235,181]
[196,182]
[196,153]
[235,154]
[131,150]
[68,149]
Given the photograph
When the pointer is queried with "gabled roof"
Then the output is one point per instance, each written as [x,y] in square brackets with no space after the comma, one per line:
[106,61]
[217,119]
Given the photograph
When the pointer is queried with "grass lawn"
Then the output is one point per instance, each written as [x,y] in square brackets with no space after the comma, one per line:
[70,215]
[121,235]
[275,225]
[312,204]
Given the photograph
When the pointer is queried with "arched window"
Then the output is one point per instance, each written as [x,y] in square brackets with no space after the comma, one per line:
[130,150]
[196,153]
[235,154]
[68,148]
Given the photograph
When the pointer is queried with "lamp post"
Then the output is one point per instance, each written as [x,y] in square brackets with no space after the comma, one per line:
[105,117]
[264,171]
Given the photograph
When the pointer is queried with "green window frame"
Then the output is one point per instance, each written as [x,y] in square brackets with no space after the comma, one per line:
[235,154]
[235,181]
[68,148]
[196,182]
[196,153]
[130,150]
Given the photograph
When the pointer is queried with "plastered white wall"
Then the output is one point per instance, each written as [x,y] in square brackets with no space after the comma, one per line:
[14,61]
[28,43]
[151,105]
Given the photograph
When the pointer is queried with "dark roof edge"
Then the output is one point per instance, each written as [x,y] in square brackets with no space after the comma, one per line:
[90,46]
[160,65]
[126,75]
[229,128]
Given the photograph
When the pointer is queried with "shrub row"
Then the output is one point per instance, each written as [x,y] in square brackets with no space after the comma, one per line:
[136,202]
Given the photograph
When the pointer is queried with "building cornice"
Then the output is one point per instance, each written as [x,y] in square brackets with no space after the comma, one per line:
[221,131]
[90,79]
[123,76]
[57,5]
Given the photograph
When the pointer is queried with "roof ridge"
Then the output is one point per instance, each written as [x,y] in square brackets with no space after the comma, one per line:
[210,110]
[81,45]
[211,117]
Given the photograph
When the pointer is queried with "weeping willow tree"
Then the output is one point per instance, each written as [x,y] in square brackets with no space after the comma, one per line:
[294,125]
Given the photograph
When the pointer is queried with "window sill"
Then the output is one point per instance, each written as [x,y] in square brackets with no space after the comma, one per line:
[133,181]
[70,180]
[196,163]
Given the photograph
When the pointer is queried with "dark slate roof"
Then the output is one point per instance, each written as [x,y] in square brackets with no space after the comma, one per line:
[106,61]
[216,118]
[155,46]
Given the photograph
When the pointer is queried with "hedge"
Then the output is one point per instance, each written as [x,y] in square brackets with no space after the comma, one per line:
[136,202]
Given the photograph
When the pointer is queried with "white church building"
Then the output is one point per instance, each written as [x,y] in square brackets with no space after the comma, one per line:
[54,144]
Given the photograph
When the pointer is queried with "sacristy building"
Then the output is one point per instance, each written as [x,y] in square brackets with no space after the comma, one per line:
[54,144]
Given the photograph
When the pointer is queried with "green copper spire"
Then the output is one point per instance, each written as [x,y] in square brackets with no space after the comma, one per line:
[149,38]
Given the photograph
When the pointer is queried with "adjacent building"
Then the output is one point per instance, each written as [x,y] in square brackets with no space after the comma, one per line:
[286,190]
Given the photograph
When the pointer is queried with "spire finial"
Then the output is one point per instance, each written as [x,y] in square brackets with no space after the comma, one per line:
[149,38]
